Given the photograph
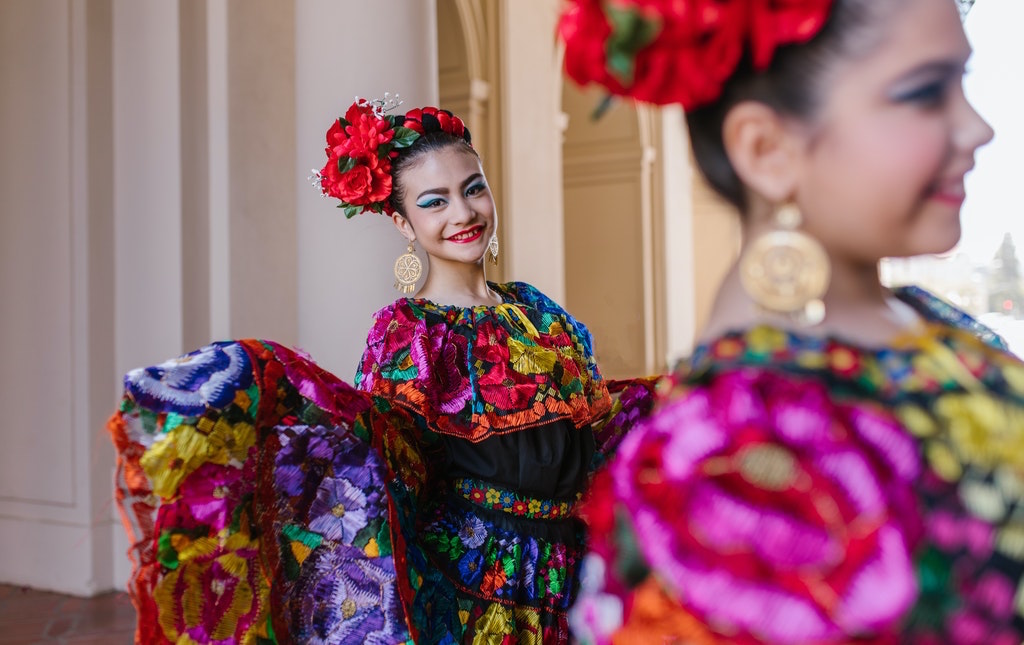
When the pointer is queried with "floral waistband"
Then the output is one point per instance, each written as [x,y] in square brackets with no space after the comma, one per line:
[490,496]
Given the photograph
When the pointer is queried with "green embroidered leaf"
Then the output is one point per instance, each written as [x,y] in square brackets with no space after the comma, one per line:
[166,554]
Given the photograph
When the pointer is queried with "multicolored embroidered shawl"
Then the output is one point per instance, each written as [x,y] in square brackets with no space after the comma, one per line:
[475,372]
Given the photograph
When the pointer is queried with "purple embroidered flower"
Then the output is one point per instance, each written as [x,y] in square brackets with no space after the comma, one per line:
[345,597]
[473,532]
[339,511]
[208,377]
[304,454]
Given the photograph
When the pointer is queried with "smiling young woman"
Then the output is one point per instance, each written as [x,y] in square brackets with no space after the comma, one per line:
[435,502]
[837,462]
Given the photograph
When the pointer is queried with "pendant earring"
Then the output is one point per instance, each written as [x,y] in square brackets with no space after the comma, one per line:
[785,271]
[408,270]
[492,249]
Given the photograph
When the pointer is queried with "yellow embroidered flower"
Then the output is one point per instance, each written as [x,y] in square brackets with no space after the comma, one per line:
[811,360]
[168,461]
[530,359]
[766,340]
[984,431]
[496,620]
[215,570]
[528,622]
[493,496]
[919,422]
[1014,375]
[533,506]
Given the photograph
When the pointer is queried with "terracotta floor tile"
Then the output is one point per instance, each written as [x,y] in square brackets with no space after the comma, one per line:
[29,617]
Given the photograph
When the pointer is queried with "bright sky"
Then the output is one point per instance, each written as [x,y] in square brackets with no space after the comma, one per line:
[995,84]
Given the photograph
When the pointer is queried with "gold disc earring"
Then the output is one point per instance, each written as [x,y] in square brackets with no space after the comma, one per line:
[492,249]
[408,270]
[786,271]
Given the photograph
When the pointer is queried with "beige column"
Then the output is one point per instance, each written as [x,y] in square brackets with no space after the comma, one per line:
[56,286]
[345,266]
[532,140]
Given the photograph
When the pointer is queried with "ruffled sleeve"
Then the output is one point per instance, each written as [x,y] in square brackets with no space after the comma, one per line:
[759,489]
[250,489]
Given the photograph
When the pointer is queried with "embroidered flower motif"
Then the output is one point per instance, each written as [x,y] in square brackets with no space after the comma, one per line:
[471,567]
[473,532]
[222,585]
[320,386]
[188,447]
[440,358]
[339,511]
[344,597]
[490,344]
[507,388]
[744,491]
[493,496]
[206,378]
[211,494]
[303,458]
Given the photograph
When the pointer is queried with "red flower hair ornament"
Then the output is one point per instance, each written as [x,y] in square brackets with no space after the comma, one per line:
[362,145]
[679,51]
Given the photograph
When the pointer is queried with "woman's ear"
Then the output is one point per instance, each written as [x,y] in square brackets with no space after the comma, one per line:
[403,226]
[763,149]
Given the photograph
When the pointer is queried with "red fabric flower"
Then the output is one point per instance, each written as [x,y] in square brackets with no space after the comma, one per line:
[365,133]
[363,185]
[671,51]
[446,121]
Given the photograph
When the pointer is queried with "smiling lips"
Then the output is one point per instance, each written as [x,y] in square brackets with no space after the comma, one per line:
[951,190]
[468,235]
[951,193]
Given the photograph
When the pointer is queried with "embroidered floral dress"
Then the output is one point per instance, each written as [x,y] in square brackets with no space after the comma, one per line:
[790,490]
[269,502]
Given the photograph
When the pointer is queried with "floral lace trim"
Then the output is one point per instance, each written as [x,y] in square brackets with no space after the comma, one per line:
[509,501]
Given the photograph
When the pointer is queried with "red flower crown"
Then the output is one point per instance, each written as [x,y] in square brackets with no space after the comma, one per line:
[362,145]
[679,51]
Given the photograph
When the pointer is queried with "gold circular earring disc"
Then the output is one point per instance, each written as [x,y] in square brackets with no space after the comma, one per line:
[784,270]
[408,269]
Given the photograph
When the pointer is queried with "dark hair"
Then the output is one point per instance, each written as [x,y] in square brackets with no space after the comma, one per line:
[432,141]
[792,85]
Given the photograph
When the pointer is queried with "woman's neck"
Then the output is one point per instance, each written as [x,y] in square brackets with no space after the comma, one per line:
[457,283]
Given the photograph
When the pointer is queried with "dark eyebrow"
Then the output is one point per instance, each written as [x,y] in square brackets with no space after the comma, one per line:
[943,68]
[444,191]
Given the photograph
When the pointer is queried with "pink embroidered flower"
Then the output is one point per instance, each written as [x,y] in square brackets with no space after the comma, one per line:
[442,367]
[211,493]
[320,386]
[759,489]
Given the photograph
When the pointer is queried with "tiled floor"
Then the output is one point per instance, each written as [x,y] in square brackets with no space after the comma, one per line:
[28,617]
